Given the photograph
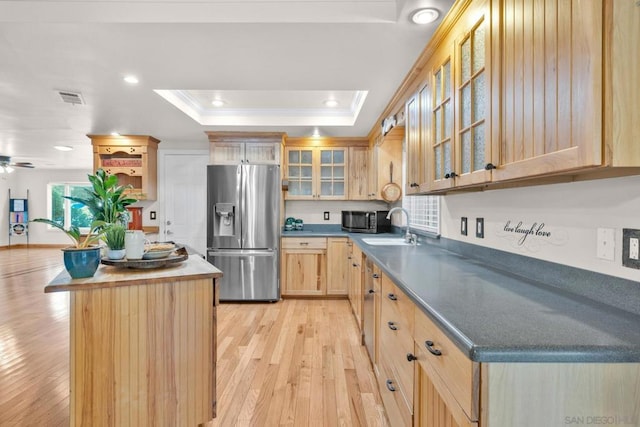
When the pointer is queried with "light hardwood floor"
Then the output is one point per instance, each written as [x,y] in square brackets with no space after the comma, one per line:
[296,362]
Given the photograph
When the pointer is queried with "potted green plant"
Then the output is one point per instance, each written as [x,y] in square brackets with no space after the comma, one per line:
[114,238]
[82,259]
[106,200]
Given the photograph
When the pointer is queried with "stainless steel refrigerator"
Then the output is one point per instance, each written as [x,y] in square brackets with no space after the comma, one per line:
[243,230]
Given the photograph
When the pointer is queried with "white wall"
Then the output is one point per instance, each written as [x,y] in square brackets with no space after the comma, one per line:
[36,180]
[571,212]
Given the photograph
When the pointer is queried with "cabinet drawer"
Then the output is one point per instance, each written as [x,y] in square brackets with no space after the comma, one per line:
[124,149]
[457,371]
[124,171]
[398,411]
[395,301]
[304,243]
[396,334]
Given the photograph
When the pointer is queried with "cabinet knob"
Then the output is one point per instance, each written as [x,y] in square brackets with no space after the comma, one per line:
[490,166]
[450,175]
[432,349]
[392,326]
[392,297]
[414,184]
[371,291]
[411,357]
[390,386]
[375,276]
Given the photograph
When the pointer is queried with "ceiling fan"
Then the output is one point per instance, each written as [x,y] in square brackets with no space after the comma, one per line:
[7,166]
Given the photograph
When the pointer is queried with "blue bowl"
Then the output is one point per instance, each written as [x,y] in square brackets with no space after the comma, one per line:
[81,263]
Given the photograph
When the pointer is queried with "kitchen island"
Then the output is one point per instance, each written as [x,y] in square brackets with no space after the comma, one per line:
[143,344]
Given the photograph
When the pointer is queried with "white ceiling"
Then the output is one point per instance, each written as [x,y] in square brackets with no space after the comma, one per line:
[277,50]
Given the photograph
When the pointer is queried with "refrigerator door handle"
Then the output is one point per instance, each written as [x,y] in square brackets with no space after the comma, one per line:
[245,253]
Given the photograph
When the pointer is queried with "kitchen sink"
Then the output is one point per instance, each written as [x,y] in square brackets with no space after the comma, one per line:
[386,241]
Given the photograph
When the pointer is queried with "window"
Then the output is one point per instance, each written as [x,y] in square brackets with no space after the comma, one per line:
[424,212]
[65,211]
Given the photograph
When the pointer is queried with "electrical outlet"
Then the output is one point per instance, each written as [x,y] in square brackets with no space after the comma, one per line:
[463,225]
[480,228]
[631,248]
[152,215]
[326,216]
[605,248]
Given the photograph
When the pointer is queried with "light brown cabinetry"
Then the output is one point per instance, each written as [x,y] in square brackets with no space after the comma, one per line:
[517,93]
[552,74]
[397,349]
[445,369]
[316,173]
[232,148]
[303,270]
[132,158]
[314,266]
[337,270]
[455,104]
[358,170]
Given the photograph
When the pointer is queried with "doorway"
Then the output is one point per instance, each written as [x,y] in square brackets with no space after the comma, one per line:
[185,198]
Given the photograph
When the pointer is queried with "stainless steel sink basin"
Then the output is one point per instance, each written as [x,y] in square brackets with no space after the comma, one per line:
[386,241]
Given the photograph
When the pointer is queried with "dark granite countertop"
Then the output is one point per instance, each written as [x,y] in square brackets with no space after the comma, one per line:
[496,316]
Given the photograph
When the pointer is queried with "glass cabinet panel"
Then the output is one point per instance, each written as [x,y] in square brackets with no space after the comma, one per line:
[300,171]
[472,91]
[332,164]
[442,116]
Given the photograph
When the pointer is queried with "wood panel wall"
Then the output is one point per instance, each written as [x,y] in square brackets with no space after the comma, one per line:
[143,355]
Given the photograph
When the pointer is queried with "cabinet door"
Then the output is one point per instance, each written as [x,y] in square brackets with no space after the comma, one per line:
[266,153]
[441,168]
[226,153]
[331,179]
[303,272]
[434,404]
[299,171]
[551,87]
[473,95]
[358,173]
[373,172]
[412,135]
[337,271]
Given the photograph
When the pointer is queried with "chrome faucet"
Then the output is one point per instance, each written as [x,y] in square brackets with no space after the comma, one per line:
[408,237]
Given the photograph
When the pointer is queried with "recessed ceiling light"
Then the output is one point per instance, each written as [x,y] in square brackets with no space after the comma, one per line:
[63,147]
[115,134]
[217,102]
[316,133]
[425,16]
[133,80]
[331,103]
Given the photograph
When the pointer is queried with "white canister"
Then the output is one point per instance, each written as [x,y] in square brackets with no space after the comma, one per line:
[134,244]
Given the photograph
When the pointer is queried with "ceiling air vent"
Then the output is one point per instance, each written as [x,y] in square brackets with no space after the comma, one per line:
[71,97]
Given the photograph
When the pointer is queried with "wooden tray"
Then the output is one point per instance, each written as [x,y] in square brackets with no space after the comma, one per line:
[179,255]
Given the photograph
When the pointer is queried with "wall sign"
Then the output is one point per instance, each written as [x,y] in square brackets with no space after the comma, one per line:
[532,236]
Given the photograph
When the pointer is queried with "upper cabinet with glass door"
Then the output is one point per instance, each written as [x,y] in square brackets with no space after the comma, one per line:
[316,173]
[473,128]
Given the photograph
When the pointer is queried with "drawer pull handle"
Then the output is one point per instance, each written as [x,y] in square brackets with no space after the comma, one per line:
[411,357]
[392,326]
[434,351]
[392,297]
[304,243]
[390,385]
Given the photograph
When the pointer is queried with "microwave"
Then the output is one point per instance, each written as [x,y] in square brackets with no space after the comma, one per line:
[366,221]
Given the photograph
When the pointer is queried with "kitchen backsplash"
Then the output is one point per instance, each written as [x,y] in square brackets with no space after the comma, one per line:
[556,223]
[312,212]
